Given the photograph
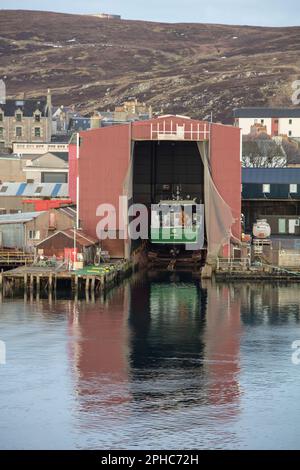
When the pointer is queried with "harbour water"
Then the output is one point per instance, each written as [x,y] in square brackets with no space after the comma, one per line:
[158,363]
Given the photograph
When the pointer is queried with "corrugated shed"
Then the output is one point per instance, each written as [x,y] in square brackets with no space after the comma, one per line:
[35,189]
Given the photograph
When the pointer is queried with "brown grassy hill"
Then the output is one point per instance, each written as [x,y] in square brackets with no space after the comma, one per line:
[181,68]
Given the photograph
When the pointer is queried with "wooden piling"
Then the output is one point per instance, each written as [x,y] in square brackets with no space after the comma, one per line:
[25,282]
[31,282]
[76,284]
[50,282]
[38,284]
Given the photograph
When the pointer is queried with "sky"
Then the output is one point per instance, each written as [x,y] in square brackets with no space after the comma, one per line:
[250,12]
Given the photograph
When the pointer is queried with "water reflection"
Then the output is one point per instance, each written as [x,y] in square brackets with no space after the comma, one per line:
[157,363]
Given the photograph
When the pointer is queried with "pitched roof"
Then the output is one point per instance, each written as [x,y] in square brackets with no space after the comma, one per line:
[62,155]
[28,107]
[81,237]
[266,112]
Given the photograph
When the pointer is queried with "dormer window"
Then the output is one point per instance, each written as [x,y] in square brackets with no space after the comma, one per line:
[18,117]
[37,117]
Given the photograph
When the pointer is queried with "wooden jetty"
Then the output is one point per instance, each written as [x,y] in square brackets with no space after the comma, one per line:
[13,258]
[239,270]
[38,279]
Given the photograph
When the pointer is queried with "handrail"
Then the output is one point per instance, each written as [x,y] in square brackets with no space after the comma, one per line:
[233,263]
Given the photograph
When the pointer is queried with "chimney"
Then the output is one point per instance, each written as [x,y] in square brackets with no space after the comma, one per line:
[2,92]
[49,100]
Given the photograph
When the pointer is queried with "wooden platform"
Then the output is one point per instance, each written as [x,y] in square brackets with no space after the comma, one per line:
[36,279]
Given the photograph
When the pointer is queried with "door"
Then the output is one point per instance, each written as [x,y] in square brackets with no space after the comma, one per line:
[292,225]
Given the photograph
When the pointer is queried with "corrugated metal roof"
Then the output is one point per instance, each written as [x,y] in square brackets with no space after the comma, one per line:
[19,217]
[60,190]
[271,175]
[266,112]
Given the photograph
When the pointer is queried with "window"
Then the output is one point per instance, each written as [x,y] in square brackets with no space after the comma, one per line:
[262,121]
[54,177]
[3,189]
[1,117]
[34,235]
[276,121]
[39,189]
[291,121]
[19,117]
[37,132]
[290,133]
[281,226]
[1,132]
[19,131]
[37,118]
[293,188]
[266,188]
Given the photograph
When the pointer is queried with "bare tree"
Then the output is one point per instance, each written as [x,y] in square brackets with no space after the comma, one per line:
[261,151]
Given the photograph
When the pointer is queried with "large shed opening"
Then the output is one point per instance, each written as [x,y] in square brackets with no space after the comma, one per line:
[164,171]
[160,167]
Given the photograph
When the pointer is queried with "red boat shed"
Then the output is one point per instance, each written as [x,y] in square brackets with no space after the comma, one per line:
[146,159]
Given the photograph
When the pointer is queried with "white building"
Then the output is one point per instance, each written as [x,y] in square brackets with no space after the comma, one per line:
[278,121]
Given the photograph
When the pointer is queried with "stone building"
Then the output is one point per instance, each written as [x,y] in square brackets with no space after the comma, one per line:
[25,120]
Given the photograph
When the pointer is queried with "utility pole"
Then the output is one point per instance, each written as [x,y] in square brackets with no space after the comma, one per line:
[74,250]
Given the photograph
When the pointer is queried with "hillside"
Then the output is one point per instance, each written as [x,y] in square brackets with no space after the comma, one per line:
[181,68]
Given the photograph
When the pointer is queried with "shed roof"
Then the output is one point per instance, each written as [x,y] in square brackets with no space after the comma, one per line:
[271,175]
[20,217]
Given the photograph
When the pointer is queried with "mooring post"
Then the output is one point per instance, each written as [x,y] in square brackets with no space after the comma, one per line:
[50,282]
[31,282]
[76,284]
[38,283]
